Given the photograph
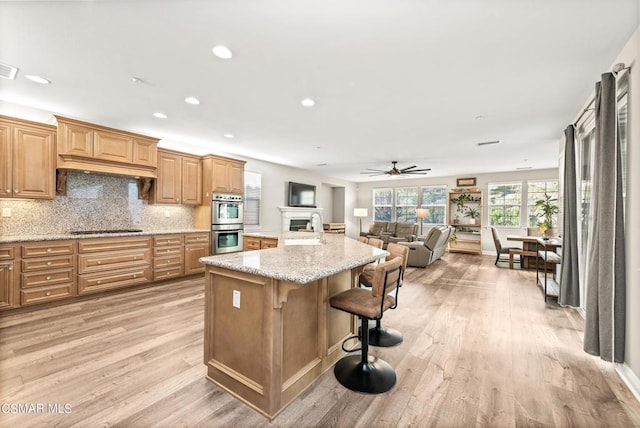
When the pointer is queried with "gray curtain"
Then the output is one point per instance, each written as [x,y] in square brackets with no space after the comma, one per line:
[605,287]
[569,275]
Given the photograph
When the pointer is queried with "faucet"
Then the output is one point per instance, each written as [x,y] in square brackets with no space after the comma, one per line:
[322,240]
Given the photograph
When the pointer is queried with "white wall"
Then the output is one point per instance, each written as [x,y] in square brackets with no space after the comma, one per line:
[365,196]
[275,180]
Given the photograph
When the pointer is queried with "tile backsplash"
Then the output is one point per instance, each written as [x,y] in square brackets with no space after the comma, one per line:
[93,201]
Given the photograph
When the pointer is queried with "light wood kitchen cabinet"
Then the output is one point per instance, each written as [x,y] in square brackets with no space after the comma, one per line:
[91,147]
[47,271]
[8,271]
[195,246]
[109,263]
[27,162]
[179,179]
[168,257]
[223,175]
[256,243]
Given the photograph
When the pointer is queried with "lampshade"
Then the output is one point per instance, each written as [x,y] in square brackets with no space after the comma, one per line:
[360,212]
[422,212]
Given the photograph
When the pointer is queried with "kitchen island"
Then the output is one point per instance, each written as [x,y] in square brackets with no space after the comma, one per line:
[269,330]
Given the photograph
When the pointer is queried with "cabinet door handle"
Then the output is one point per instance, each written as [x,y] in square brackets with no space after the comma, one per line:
[8,190]
[98,282]
[135,276]
[11,266]
[48,293]
[98,262]
[134,257]
[15,191]
[48,263]
[48,278]
[48,250]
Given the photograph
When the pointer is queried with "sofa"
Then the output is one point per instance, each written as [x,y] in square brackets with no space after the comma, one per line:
[392,232]
[427,249]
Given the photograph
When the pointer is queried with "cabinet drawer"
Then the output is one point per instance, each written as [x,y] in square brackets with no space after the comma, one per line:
[113,260]
[168,273]
[268,243]
[113,244]
[167,240]
[39,279]
[101,281]
[251,244]
[32,296]
[7,253]
[170,261]
[50,248]
[29,265]
[196,239]
[167,251]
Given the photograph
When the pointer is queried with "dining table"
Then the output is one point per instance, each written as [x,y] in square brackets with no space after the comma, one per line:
[529,250]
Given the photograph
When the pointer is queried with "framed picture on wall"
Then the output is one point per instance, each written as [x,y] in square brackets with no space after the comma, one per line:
[466,182]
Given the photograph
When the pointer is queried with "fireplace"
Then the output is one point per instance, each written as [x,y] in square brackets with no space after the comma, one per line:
[298,214]
[297,224]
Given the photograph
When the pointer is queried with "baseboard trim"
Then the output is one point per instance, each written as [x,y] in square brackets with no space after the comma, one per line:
[629,378]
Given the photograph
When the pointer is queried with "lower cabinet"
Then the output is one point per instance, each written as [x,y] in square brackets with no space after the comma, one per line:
[45,271]
[108,263]
[168,257]
[48,271]
[195,246]
[7,276]
[255,243]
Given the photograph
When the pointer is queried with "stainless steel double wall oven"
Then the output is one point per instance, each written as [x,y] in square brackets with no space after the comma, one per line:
[226,223]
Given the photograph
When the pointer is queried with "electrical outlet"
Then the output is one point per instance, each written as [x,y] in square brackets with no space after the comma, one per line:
[6,212]
[167,213]
[236,299]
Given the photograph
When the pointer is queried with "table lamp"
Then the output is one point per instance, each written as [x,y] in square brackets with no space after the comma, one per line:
[421,213]
[360,212]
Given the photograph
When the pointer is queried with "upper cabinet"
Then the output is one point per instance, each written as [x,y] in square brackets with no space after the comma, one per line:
[223,175]
[179,179]
[27,162]
[90,147]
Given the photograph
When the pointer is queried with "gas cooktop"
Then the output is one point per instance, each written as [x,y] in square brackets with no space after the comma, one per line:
[97,232]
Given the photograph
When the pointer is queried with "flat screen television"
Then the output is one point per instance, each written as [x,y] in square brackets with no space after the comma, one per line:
[302,195]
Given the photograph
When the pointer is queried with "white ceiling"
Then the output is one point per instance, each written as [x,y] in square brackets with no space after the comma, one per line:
[397,80]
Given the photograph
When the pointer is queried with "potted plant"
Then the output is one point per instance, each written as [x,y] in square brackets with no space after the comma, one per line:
[473,213]
[546,210]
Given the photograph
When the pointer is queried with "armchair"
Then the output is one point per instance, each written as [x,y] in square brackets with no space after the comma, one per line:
[427,249]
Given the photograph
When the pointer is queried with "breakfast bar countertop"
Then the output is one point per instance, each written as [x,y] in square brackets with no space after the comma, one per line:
[10,239]
[297,261]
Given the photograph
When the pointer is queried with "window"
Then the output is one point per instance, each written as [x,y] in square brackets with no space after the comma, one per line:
[382,204]
[504,204]
[434,198]
[406,204]
[535,192]
[252,193]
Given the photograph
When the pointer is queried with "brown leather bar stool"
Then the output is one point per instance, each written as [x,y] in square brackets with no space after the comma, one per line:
[378,335]
[360,372]
[378,243]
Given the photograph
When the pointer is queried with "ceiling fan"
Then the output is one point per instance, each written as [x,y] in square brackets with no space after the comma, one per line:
[394,171]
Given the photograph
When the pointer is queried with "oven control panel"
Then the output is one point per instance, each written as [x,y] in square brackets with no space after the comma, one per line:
[225,198]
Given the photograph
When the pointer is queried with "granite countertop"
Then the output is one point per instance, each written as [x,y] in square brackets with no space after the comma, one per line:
[301,264]
[64,236]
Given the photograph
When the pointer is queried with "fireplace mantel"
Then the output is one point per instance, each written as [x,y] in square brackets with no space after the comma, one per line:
[298,213]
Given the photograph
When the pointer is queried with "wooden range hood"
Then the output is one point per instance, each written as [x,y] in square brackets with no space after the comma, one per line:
[95,148]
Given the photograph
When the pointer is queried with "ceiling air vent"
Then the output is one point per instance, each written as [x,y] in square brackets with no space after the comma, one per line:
[8,71]
[488,143]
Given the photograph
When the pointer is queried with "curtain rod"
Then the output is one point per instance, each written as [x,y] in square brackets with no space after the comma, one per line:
[616,71]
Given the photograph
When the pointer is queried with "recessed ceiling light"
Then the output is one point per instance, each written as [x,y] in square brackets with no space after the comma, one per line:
[488,143]
[230,136]
[222,52]
[38,79]
[192,100]
[160,115]
[308,102]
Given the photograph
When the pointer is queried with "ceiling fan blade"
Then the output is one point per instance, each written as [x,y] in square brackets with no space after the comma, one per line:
[373,171]
[414,173]
[379,173]
[407,168]
[418,170]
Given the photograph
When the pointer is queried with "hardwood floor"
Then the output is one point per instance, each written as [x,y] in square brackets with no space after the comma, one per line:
[481,348]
